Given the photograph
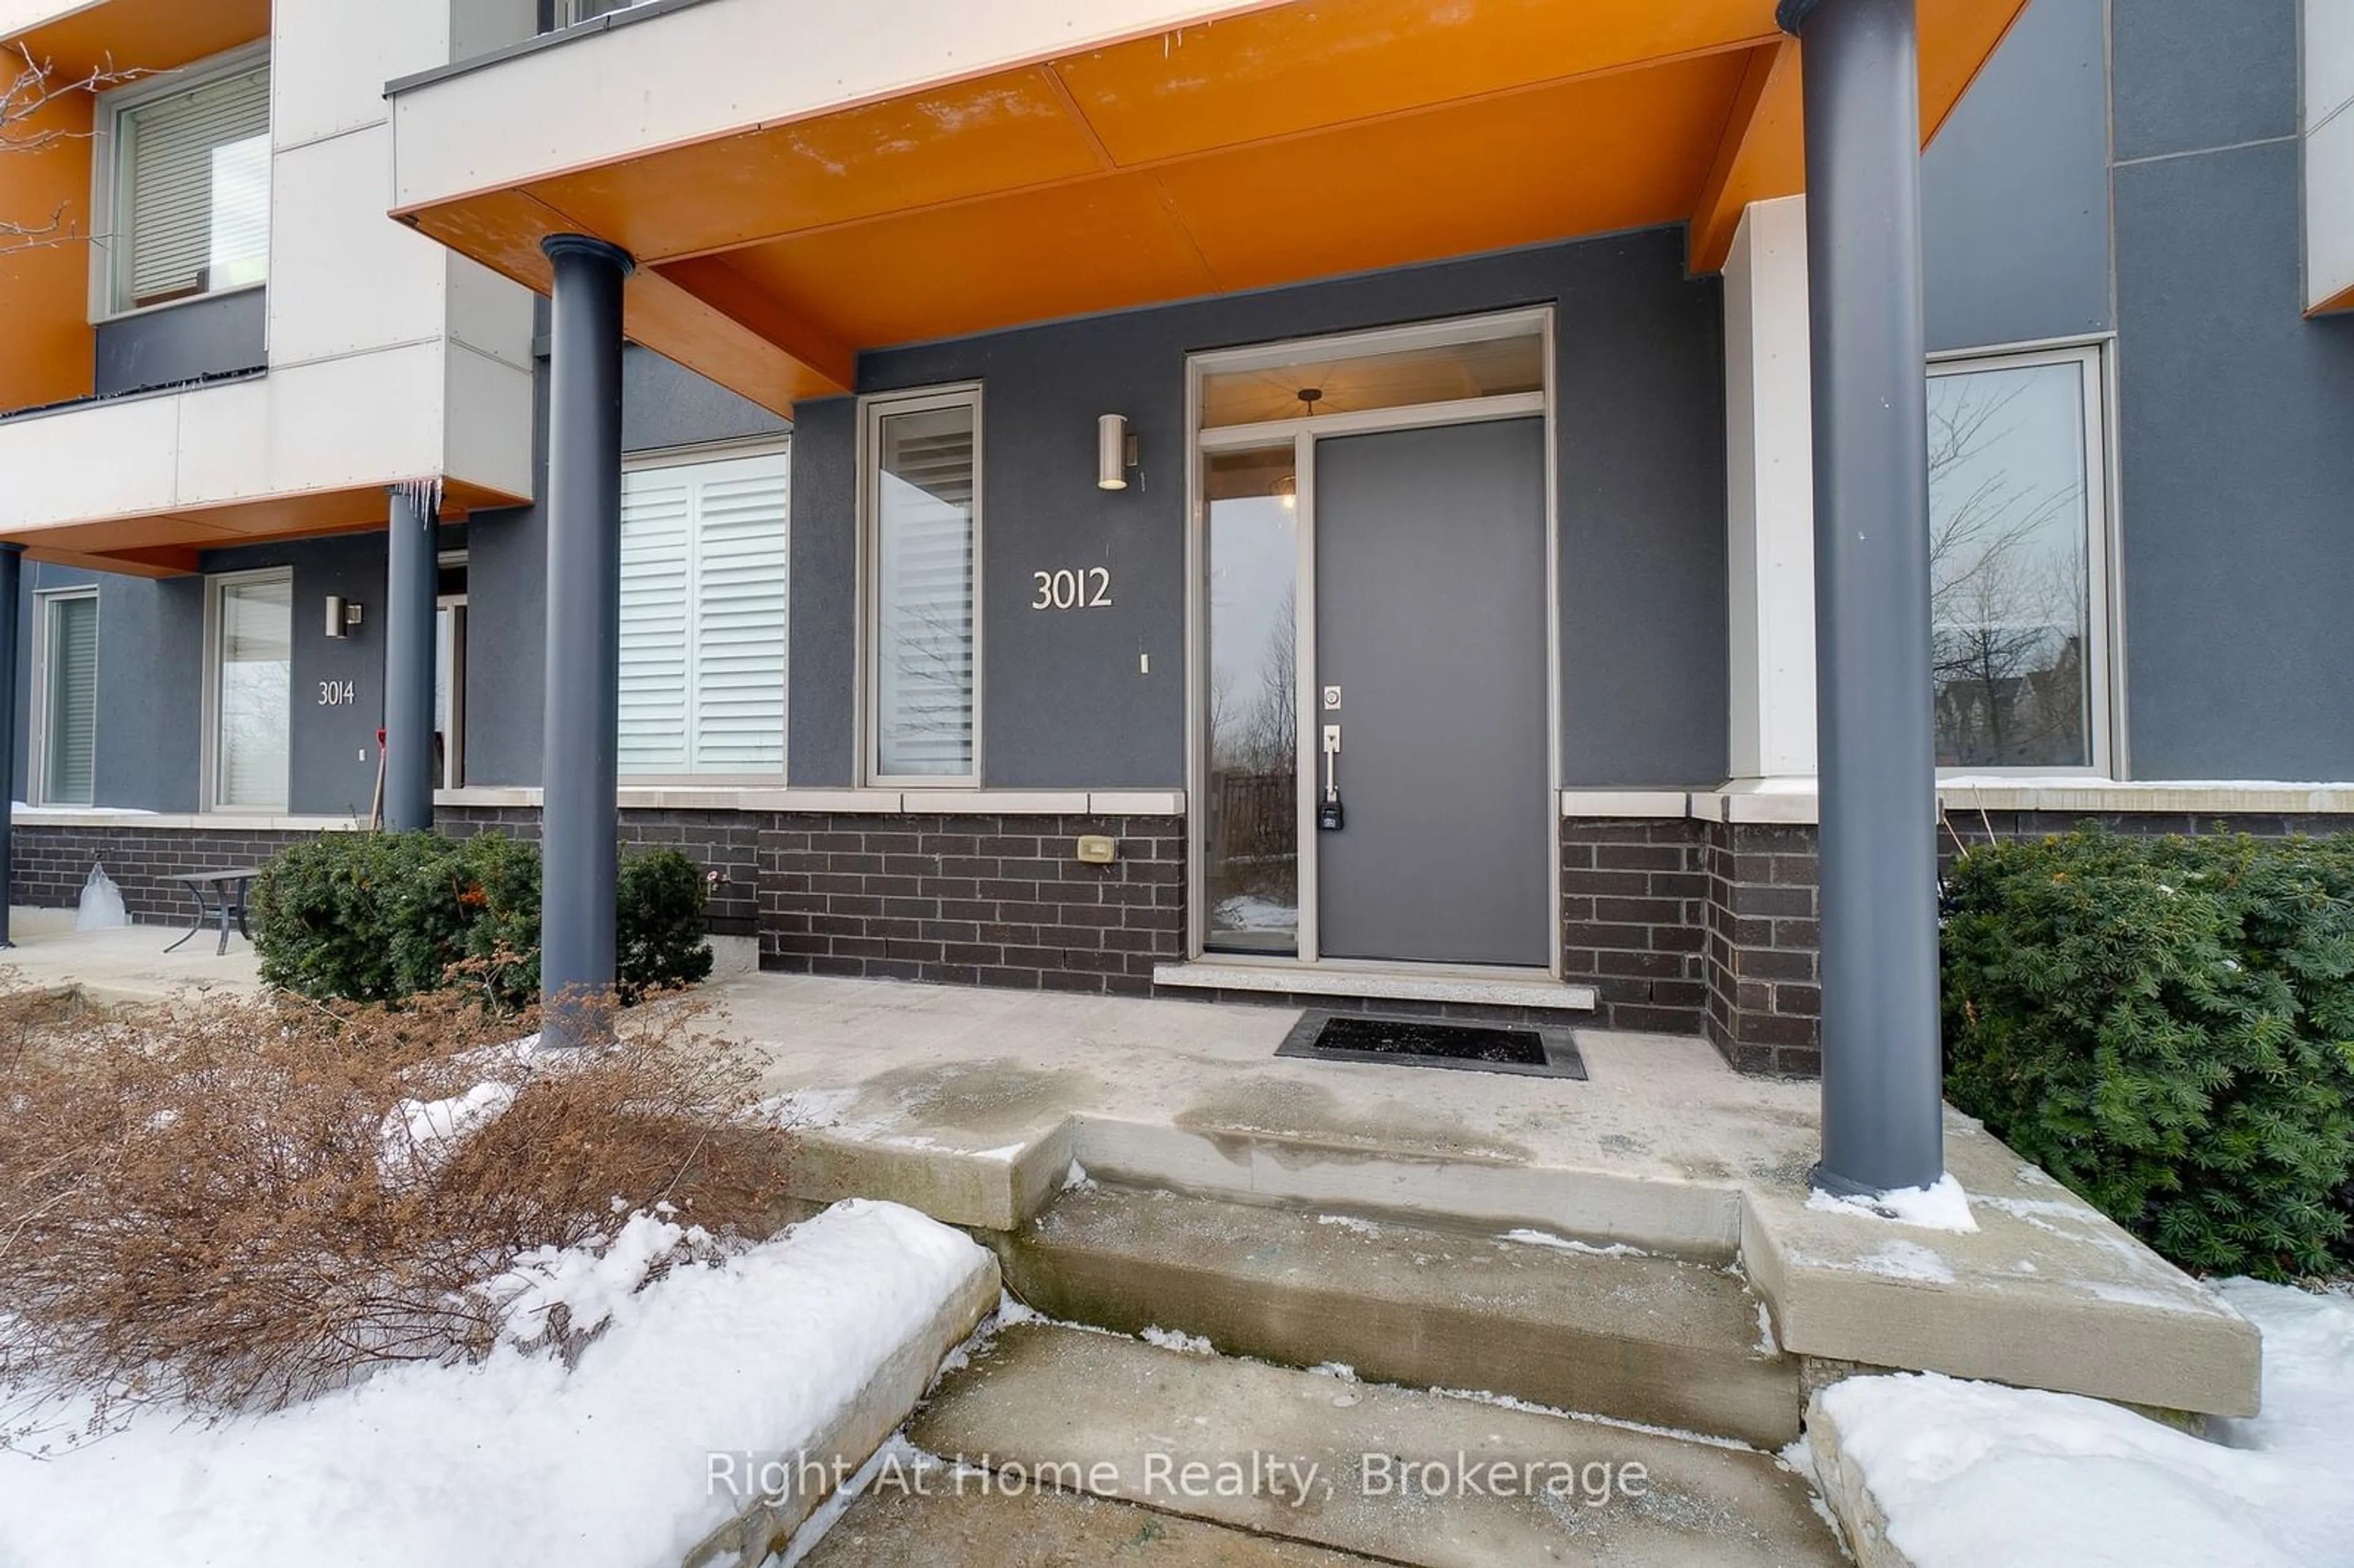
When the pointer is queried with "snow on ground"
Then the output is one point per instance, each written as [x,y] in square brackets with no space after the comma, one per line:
[1941,1206]
[1972,1473]
[518,1461]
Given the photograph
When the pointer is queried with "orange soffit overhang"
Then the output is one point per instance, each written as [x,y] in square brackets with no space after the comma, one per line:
[1277,145]
[169,543]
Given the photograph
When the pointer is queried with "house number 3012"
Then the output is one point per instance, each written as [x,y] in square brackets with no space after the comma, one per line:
[1073,587]
[335,693]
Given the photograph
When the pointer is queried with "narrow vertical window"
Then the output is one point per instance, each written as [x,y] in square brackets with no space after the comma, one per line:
[703,617]
[449,692]
[2017,590]
[192,190]
[253,690]
[1251,815]
[69,698]
[923,492]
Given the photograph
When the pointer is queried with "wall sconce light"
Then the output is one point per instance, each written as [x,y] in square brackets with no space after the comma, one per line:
[1115,452]
[342,614]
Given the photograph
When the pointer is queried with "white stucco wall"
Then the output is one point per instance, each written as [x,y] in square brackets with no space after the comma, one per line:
[2329,44]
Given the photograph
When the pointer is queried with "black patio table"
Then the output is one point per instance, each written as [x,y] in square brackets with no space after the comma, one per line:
[221,892]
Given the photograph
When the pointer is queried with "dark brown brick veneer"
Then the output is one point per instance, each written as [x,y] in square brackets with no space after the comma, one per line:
[973,900]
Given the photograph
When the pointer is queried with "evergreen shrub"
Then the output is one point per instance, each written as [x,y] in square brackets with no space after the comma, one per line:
[2167,1026]
[379,917]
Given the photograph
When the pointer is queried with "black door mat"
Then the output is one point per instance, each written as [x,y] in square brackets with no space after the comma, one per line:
[1529,1051]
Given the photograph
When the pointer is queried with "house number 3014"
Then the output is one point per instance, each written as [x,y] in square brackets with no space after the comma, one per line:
[1073,587]
[335,693]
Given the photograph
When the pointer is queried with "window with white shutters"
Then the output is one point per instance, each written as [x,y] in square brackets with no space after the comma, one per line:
[253,689]
[925,542]
[702,617]
[192,190]
[69,698]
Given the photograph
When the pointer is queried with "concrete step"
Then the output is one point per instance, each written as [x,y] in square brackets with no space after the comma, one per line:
[1398,1475]
[897,1527]
[1665,1342]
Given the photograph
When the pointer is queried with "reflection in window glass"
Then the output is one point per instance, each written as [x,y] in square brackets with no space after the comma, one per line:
[1252,817]
[2010,566]
[254,691]
[924,547]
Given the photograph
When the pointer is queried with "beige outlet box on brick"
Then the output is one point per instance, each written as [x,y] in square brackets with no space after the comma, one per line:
[1099,849]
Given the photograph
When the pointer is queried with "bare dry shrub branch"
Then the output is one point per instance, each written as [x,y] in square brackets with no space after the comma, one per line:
[236,1204]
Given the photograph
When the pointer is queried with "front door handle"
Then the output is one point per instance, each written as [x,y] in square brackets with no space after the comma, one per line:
[1328,809]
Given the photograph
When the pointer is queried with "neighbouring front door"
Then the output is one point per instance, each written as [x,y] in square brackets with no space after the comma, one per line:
[1430,621]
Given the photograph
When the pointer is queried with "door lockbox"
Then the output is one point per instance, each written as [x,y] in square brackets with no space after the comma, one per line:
[1329,814]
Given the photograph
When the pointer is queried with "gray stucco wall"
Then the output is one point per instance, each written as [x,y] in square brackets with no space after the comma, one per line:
[1066,705]
[822,654]
[2236,415]
[214,337]
[2015,193]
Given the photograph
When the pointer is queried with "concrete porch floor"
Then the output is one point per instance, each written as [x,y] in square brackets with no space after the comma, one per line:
[125,963]
[974,1105]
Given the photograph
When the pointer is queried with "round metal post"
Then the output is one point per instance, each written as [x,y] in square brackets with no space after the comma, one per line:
[411,574]
[579,760]
[1882,1082]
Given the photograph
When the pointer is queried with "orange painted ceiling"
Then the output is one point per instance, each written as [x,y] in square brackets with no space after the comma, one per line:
[1296,141]
[1293,141]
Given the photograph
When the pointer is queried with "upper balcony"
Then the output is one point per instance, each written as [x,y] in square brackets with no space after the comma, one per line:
[215,334]
[799,181]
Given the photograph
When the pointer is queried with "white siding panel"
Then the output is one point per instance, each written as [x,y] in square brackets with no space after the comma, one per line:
[360,421]
[488,312]
[2330,210]
[487,427]
[344,277]
[223,442]
[111,460]
[2328,59]
[335,57]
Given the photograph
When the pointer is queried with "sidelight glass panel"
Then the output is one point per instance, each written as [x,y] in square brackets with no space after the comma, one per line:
[924,547]
[254,690]
[2011,565]
[1252,814]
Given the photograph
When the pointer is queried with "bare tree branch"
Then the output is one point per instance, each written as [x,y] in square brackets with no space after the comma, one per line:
[33,88]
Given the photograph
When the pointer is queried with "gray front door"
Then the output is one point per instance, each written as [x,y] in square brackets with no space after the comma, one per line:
[1430,618]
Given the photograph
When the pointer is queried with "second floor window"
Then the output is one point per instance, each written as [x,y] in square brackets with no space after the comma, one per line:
[191,199]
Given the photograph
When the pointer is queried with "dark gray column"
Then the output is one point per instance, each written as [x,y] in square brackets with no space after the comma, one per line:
[12,582]
[1882,1084]
[411,572]
[580,757]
